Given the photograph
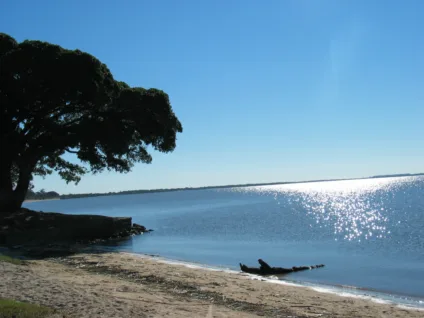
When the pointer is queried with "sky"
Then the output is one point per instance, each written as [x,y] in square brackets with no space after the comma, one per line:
[267,91]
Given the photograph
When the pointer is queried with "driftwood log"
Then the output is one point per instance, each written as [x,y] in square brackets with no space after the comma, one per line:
[265,269]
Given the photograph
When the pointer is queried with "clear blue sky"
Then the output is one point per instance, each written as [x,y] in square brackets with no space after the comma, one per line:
[266,90]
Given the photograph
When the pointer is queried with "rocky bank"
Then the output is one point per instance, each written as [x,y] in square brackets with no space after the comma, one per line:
[57,233]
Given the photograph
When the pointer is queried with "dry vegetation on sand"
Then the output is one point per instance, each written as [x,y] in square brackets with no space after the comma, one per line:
[15,309]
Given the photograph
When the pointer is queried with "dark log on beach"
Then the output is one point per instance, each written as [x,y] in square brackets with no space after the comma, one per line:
[265,269]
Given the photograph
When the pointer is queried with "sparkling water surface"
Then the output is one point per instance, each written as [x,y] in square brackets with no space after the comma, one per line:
[369,233]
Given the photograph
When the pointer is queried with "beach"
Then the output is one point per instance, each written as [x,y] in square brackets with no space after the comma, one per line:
[127,285]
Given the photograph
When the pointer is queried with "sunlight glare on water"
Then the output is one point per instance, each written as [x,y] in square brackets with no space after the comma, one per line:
[349,206]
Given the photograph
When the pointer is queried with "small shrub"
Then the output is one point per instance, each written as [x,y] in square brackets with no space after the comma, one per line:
[8,259]
[11,308]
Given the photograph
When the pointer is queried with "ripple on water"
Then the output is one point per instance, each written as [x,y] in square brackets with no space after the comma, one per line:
[356,209]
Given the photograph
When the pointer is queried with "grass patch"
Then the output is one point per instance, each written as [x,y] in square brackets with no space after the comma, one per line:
[8,259]
[10,308]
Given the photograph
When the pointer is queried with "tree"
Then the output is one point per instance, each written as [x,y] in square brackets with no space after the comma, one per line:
[56,101]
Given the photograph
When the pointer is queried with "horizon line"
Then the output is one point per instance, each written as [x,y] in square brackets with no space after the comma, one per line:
[141,191]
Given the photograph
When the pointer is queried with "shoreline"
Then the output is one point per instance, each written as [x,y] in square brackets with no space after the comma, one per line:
[400,300]
[70,196]
[40,200]
[122,284]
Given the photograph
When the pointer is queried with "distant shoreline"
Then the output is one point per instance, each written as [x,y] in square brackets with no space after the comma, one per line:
[128,192]
[29,201]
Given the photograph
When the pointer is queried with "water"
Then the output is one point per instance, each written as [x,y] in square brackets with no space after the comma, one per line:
[369,233]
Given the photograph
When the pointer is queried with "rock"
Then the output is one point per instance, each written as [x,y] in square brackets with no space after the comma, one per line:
[26,226]
[50,250]
[138,227]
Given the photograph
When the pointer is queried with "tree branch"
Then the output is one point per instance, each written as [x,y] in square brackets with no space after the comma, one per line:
[70,151]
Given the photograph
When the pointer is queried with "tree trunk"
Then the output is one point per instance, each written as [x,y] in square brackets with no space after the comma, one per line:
[22,186]
[11,199]
[9,202]
[6,188]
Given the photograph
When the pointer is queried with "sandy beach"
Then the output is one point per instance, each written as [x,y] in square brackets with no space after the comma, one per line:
[126,285]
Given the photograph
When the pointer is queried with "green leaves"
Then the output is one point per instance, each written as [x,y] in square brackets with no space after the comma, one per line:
[7,43]
[54,100]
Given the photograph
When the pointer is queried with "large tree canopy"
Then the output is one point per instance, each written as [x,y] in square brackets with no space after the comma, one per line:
[55,100]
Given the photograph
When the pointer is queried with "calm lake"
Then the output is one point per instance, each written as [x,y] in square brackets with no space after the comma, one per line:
[369,233]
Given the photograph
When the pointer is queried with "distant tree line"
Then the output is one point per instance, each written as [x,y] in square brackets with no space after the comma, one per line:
[86,195]
[41,195]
